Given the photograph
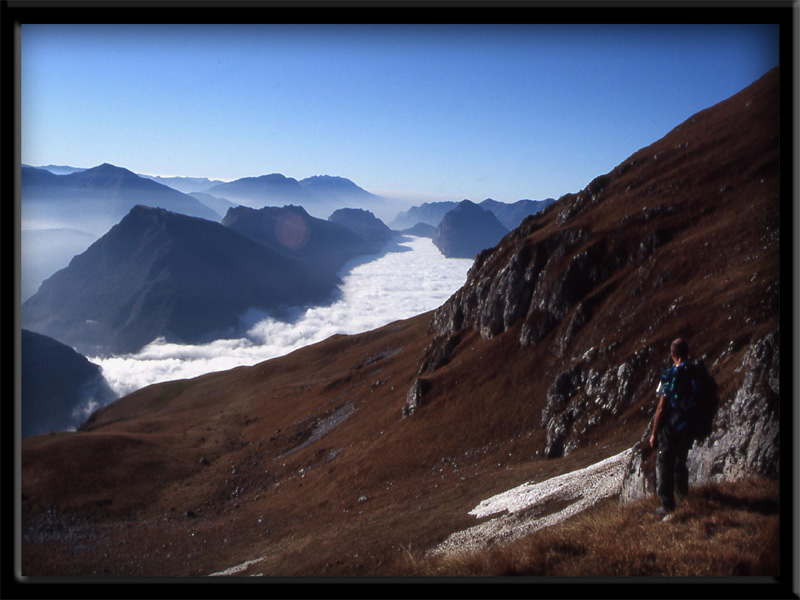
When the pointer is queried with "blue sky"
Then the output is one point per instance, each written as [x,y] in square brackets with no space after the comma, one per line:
[450,112]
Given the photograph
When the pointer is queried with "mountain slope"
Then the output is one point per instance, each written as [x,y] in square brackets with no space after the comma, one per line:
[159,273]
[59,387]
[430,213]
[511,215]
[681,240]
[187,185]
[319,195]
[45,251]
[95,199]
[272,189]
[336,189]
[347,456]
[292,232]
[365,225]
[466,230]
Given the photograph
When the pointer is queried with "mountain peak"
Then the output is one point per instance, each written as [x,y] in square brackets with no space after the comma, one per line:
[107,168]
[162,274]
[466,230]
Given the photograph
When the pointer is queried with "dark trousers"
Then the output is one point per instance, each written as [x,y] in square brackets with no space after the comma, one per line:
[672,474]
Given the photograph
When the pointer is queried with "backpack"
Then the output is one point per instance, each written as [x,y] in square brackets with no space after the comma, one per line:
[691,394]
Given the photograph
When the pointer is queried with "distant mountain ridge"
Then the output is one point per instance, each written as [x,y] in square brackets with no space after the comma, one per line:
[255,191]
[187,185]
[466,230]
[163,274]
[337,459]
[511,215]
[218,205]
[58,169]
[291,231]
[432,213]
[319,195]
[95,199]
[365,225]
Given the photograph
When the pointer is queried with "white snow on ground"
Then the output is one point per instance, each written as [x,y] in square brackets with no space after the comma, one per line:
[238,568]
[525,504]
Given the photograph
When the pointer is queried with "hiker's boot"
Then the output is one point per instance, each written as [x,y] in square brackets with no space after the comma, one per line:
[663,514]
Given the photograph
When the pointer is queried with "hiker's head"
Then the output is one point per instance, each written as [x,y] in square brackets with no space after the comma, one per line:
[679,349]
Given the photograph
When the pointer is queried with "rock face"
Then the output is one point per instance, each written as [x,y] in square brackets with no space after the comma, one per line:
[556,342]
[161,274]
[466,230]
[598,284]
[745,436]
[59,387]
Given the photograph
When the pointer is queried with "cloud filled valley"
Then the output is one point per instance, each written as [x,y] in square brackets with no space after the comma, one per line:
[534,360]
[411,278]
[160,292]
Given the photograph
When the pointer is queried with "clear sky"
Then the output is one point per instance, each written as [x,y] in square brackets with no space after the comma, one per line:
[472,111]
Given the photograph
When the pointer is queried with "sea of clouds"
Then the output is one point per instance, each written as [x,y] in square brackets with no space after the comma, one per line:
[410,278]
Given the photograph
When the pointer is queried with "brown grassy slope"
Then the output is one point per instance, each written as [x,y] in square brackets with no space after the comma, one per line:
[720,528]
[679,240]
[305,463]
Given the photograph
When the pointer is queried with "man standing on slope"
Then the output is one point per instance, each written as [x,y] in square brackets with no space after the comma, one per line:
[671,431]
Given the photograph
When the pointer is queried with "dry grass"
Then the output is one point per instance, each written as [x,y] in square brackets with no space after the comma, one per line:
[720,530]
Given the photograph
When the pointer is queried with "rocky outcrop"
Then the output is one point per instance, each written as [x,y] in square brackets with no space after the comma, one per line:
[745,436]
[539,281]
[590,291]
[587,394]
[414,397]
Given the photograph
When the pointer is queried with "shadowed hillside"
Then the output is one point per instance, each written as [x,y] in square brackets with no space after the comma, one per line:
[349,456]
[59,387]
[466,230]
[291,231]
[162,274]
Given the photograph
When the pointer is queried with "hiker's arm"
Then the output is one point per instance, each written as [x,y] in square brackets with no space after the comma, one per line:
[657,421]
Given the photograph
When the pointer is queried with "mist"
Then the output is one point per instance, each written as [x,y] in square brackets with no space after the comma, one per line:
[411,279]
[45,251]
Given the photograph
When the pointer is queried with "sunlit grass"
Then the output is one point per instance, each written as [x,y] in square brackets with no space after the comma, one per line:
[720,530]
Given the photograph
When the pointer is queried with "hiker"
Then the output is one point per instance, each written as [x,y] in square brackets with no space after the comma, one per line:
[671,432]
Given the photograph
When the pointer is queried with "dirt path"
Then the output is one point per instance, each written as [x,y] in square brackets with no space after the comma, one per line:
[532,506]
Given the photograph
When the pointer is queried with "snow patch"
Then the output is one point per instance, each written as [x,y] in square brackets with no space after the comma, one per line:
[238,568]
[524,505]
